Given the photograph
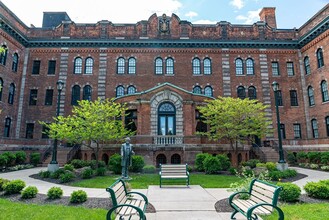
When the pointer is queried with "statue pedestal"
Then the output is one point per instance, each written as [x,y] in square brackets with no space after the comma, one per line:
[126,178]
[282,166]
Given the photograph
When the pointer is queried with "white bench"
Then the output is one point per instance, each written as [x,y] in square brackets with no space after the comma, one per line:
[174,171]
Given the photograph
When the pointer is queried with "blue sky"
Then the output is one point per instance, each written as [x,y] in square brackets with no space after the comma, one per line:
[289,13]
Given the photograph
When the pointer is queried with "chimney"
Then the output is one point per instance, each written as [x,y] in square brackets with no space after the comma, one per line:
[267,15]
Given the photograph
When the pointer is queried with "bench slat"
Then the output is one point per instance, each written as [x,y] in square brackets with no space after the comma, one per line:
[262,197]
[246,204]
[264,186]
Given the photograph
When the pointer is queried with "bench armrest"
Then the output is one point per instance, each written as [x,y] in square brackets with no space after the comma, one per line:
[109,213]
[140,194]
[252,208]
[187,173]
[235,194]
[160,173]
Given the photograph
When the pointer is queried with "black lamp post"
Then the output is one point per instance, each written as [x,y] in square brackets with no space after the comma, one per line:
[53,166]
[275,86]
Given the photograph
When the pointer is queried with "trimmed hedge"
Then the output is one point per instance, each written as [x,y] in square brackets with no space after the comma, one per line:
[54,193]
[149,169]
[13,187]
[319,190]
[137,163]
[290,192]
[199,161]
[78,196]
[29,192]
[115,163]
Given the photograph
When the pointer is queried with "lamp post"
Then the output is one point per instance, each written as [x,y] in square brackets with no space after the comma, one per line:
[281,165]
[53,165]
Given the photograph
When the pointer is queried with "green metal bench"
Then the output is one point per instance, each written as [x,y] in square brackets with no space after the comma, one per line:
[263,198]
[174,171]
[125,204]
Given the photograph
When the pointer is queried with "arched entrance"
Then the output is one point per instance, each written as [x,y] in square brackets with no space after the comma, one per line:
[167,119]
[161,158]
[105,158]
[175,159]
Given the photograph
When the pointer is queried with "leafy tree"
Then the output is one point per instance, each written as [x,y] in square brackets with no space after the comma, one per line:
[235,120]
[91,124]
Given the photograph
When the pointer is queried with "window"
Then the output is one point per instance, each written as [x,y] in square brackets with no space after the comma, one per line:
[238,66]
[51,67]
[89,65]
[120,91]
[307,65]
[208,91]
[44,132]
[319,56]
[200,125]
[87,92]
[290,69]
[196,66]
[170,66]
[75,95]
[158,66]
[33,97]
[3,56]
[131,90]
[6,132]
[1,88]
[250,66]
[11,93]
[293,98]
[297,131]
[166,119]
[241,92]
[252,93]
[197,90]
[315,129]
[207,66]
[283,131]
[327,125]
[49,97]
[14,66]
[310,94]
[275,69]
[29,131]
[78,65]
[121,65]
[324,91]
[36,67]
[280,100]
[131,120]
[132,66]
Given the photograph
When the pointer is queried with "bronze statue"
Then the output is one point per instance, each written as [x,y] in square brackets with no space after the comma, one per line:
[126,157]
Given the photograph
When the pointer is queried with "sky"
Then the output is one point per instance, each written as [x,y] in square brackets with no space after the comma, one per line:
[289,13]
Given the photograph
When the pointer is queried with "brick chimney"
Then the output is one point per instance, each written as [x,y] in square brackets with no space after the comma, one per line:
[267,15]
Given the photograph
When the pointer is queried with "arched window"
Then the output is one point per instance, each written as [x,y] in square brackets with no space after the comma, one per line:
[11,93]
[7,127]
[207,66]
[89,65]
[208,91]
[120,91]
[14,66]
[307,65]
[252,93]
[241,92]
[75,97]
[319,56]
[196,66]
[1,88]
[3,56]
[166,119]
[161,159]
[324,91]
[310,94]
[87,92]
[120,65]
[131,90]
[78,65]
[238,66]
[315,129]
[197,90]
[250,66]
[170,66]
[327,125]
[131,65]
[158,66]
[175,159]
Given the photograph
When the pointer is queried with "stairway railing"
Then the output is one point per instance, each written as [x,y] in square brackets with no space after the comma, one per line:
[73,152]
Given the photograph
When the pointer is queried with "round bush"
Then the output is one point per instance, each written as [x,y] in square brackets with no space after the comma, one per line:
[270,166]
[100,171]
[314,157]
[232,171]
[13,187]
[290,192]
[2,183]
[54,193]
[93,164]
[319,190]
[301,157]
[149,169]
[115,163]
[224,161]
[211,165]
[250,163]
[11,158]
[35,158]
[137,163]
[66,177]
[289,173]
[44,174]
[78,163]
[275,175]
[325,158]
[199,161]
[57,173]
[20,157]
[292,160]
[68,167]
[3,160]
[29,192]
[78,196]
[87,173]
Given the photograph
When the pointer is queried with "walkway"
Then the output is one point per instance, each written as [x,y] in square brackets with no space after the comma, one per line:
[172,202]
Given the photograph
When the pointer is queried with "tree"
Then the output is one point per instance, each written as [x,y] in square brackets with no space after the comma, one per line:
[234,120]
[91,124]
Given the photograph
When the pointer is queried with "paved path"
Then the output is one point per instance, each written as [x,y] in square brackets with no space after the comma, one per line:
[172,202]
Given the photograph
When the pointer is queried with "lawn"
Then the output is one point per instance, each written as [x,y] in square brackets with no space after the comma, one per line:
[13,211]
[142,181]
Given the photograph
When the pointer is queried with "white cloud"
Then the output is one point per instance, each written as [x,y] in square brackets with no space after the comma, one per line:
[191,14]
[251,17]
[237,3]
[204,22]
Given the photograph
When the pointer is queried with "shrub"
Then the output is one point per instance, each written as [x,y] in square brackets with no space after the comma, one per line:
[211,165]
[319,190]
[35,158]
[66,177]
[54,193]
[115,163]
[199,161]
[261,165]
[289,173]
[137,163]
[3,160]
[275,175]
[44,174]
[314,157]
[20,157]
[13,187]
[87,173]
[314,166]
[291,158]
[251,163]
[325,168]
[224,161]
[57,173]
[324,158]
[301,157]
[29,192]
[149,169]
[68,167]
[78,196]
[2,183]
[290,192]
[190,168]
[100,171]
[270,166]
[78,163]
[232,171]
[93,164]
[11,158]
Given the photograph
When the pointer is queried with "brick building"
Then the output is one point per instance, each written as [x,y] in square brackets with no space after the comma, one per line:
[163,68]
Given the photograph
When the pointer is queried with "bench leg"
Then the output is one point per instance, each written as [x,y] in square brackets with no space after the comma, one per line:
[233,214]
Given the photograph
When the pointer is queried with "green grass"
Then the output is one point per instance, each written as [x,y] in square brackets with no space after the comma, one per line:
[142,181]
[303,212]
[16,211]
